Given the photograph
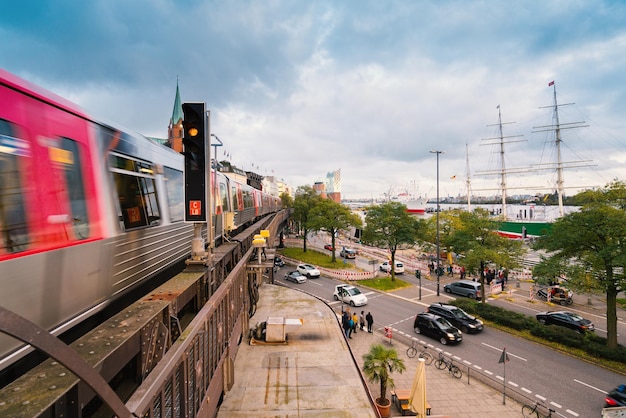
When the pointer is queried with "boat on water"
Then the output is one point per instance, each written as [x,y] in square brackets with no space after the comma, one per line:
[415,205]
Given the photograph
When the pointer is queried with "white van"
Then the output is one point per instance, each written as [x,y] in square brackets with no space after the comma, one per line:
[386,267]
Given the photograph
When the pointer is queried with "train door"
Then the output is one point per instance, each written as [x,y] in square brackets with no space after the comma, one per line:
[14,158]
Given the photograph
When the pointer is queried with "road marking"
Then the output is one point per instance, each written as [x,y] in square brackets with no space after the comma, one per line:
[571,412]
[540,397]
[556,405]
[477,367]
[527,390]
[513,384]
[489,372]
[500,350]
[592,387]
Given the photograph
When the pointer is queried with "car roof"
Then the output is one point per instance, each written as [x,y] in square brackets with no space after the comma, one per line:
[444,306]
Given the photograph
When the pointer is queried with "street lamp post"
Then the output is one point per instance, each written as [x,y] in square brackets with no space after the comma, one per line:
[438,252]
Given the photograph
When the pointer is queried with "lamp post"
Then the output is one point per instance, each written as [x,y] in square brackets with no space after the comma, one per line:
[438,252]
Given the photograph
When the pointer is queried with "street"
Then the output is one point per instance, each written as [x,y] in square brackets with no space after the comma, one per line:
[572,387]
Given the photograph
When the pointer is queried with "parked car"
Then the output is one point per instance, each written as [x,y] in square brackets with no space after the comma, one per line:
[386,267]
[308,270]
[467,288]
[616,397]
[457,317]
[348,253]
[566,319]
[350,295]
[437,327]
[295,276]
[278,261]
[328,247]
[557,294]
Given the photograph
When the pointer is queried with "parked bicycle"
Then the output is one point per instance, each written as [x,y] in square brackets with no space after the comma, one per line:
[412,351]
[533,411]
[443,363]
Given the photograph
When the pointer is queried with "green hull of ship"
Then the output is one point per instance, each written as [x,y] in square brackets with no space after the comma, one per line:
[514,228]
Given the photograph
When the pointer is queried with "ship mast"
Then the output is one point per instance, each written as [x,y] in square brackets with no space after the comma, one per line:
[500,140]
[557,129]
[468,182]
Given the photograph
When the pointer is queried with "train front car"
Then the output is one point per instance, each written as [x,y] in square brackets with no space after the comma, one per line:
[50,215]
[87,211]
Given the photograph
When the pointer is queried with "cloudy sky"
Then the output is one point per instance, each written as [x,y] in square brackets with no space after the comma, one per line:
[297,88]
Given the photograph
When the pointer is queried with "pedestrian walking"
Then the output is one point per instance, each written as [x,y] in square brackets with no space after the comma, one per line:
[350,326]
[355,319]
[362,320]
[345,323]
[370,321]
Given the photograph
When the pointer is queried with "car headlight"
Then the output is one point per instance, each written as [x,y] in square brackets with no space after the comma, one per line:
[471,326]
[450,336]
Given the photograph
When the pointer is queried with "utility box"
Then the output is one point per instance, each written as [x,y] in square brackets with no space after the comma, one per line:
[277,328]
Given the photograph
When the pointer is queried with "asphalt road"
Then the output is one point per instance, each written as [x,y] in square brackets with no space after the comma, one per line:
[572,387]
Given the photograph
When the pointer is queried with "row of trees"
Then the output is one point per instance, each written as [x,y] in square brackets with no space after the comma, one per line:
[586,246]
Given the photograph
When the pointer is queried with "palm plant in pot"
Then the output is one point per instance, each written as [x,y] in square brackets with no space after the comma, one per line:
[378,364]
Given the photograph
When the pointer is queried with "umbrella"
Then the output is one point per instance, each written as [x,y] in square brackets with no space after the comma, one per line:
[417,398]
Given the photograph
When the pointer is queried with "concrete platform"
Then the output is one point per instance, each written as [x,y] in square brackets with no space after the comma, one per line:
[317,373]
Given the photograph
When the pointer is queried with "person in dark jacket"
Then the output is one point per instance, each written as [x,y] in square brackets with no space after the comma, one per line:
[370,322]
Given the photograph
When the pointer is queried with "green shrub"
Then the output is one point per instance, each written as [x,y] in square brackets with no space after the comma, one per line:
[590,343]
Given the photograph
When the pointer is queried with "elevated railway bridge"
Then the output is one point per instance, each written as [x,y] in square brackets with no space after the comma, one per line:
[169,354]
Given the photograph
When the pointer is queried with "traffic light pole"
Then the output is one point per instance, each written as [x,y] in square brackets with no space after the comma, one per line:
[198,178]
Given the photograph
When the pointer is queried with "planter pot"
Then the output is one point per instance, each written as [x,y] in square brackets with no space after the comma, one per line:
[383,409]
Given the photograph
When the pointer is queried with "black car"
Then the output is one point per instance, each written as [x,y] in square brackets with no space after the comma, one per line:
[566,319]
[616,397]
[457,317]
[436,327]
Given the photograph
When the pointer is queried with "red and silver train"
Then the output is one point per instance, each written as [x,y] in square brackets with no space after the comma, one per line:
[88,211]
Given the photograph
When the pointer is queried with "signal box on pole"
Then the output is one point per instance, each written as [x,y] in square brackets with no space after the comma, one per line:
[195,150]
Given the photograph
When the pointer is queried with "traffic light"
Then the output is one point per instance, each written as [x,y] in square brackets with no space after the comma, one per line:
[195,150]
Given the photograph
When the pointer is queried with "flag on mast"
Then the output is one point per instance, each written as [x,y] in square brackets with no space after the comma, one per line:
[551,83]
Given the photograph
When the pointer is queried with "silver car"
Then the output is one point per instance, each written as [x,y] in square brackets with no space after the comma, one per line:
[295,276]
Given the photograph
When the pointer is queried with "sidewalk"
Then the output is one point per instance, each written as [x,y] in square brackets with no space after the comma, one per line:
[317,373]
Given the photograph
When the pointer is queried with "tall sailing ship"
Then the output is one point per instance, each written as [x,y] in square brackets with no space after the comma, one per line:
[518,225]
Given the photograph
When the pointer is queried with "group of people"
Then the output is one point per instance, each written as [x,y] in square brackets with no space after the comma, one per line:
[350,322]
[500,276]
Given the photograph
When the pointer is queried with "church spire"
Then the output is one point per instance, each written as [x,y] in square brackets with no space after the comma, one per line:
[175,129]
[177,113]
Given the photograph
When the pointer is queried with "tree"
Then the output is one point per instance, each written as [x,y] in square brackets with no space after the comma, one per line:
[390,226]
[332,217]
[475,237]
[305,201]
[589,245]
[286,199]
[378,364]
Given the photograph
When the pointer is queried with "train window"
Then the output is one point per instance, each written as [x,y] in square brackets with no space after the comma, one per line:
[233,199]
[247,199]
[13,224]
[68,158]
[224,197]
[136,191]
[174,183]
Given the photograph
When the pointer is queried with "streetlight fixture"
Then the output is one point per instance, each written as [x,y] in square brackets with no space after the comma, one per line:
[438,269]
